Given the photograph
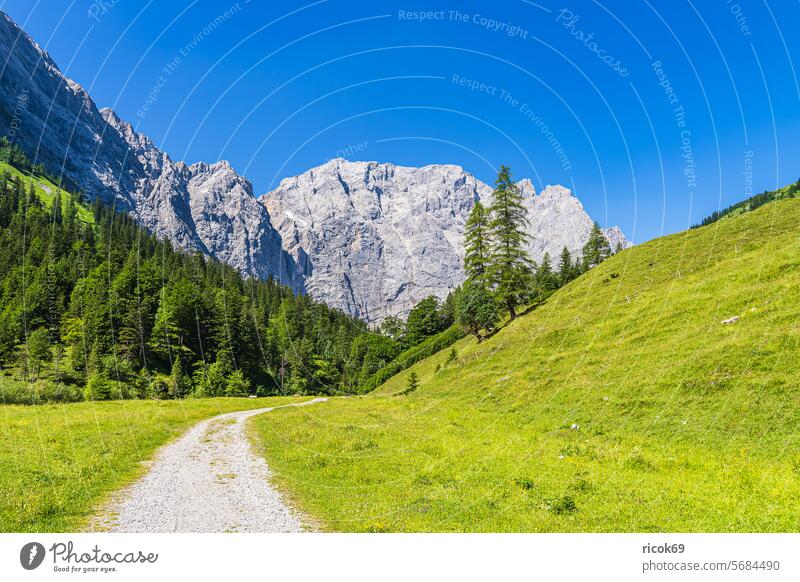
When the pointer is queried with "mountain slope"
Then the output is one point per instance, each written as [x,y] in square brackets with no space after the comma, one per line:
[621,404]
[202,207]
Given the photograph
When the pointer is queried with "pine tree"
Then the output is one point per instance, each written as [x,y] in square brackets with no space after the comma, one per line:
[477,248]
[510,263]
[393,327]
[596,250]
[38,351]
[545,278]
[56,211]
[413,382]
[180,381]
[565,268]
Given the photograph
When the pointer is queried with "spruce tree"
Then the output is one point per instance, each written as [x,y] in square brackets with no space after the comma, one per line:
[477,248]
[545,278]
[412,383]
[565,269]
[510,263]
[596,250]
[180,382]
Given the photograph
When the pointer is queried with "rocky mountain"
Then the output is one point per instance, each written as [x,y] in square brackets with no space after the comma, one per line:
[370,238]
[374,239]
[205,207]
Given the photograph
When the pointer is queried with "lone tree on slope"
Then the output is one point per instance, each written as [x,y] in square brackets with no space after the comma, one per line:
[597,249]
[510,263]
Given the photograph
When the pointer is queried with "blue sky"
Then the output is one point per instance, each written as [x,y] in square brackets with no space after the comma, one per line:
[655,113]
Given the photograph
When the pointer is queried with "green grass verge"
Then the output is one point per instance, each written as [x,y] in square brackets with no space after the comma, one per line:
[59,461]
[620,404]
[412,355]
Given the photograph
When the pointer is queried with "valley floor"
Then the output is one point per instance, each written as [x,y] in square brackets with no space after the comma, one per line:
[657,392]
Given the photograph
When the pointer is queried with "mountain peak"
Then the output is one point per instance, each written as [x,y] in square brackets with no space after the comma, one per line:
[371,238]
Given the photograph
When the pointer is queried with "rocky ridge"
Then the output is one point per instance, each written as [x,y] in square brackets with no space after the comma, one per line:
[369,238]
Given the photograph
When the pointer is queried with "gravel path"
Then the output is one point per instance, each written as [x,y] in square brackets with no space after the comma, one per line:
[209,480]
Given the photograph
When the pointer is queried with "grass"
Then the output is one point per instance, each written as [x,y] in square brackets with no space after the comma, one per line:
[59,461]
[621,404]
[46,191]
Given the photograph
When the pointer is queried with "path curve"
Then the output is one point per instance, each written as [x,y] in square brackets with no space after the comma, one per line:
[209,480]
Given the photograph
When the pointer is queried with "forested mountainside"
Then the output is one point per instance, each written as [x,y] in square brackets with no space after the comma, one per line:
[92,305]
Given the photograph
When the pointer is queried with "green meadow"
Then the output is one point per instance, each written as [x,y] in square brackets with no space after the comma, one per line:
[621,404]
[59,461]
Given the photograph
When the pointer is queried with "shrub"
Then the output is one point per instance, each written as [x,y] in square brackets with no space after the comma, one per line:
[237,384]
[562,505]
[39,392]
[98,388]
[161,386]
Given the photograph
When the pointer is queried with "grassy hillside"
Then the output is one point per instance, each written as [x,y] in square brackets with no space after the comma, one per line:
[621,404]
[753,202]
[58,461]
[46,191]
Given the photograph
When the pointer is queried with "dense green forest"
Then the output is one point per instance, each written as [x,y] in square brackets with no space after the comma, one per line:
[93,306]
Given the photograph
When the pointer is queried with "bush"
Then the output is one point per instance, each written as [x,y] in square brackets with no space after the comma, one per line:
[161,386]
[39,392]
[237,384]
[98,388]
[562,505]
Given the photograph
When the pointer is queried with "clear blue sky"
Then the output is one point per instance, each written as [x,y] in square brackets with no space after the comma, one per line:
[279,87]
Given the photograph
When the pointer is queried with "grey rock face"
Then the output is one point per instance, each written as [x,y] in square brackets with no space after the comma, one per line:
[616,238]
[205,207]
[374,239]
